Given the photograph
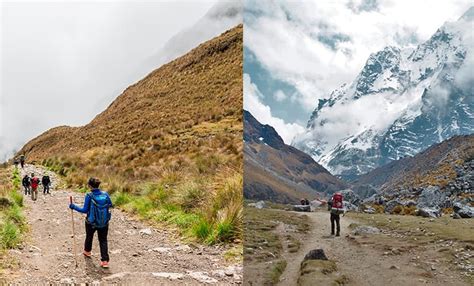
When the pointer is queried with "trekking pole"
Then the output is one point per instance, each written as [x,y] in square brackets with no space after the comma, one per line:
[73,234]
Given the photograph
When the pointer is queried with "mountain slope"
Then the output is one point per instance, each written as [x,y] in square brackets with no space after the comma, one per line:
[189,106]
[169,148]
[402,102]
[278,172]
[436,166]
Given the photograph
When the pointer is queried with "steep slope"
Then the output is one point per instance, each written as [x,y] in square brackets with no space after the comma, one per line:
[438,165]
[188,107]
[278,172]
[402,102]
[169,148]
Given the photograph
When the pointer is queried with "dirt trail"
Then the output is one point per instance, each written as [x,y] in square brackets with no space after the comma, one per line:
[365,261]
[139,254]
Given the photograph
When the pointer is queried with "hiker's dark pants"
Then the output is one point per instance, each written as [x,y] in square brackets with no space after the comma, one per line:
[45,189]
[22,164]
[27,189]
[102,234]
[335,218]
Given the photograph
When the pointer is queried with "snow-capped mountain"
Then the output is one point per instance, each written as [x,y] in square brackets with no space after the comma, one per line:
[403,101]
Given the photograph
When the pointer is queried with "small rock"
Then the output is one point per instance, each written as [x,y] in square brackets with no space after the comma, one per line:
[66,281]
[394,267]
[170,276]
[145,231]
[183,248]
[364,229]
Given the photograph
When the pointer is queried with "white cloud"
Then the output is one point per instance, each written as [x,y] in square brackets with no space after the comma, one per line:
[279,95]
[262,112]
[318,45]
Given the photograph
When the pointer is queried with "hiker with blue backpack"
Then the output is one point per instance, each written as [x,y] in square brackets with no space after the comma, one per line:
[97,206]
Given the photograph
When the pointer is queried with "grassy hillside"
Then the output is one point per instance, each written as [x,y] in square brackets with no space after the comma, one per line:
[169,148]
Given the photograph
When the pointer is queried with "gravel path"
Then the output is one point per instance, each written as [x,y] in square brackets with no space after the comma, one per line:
[139,254]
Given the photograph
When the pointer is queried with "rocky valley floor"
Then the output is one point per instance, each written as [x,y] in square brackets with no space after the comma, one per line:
[139,254]
[372,250]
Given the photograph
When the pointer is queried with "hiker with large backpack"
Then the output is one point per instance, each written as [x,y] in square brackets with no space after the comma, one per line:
[97,206]
[46,181]
[336,207]
[26,182]
[34,187]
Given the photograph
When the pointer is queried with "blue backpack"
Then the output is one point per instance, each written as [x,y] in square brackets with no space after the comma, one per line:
[99,214]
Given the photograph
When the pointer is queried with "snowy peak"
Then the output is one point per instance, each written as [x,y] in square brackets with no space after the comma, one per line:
[403,101]
[381,72]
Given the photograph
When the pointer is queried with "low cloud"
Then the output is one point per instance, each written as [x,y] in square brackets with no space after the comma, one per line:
[262,112]
[316,46]
[279,95]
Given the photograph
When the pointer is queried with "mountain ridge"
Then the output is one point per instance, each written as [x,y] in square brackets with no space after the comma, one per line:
[278,172]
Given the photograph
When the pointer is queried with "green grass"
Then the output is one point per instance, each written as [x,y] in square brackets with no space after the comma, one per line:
[277,270]
[9,234]
[202,230]
[12,220]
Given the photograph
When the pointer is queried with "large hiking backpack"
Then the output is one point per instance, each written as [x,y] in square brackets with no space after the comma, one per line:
[337,205]
[99,213]
[34,182]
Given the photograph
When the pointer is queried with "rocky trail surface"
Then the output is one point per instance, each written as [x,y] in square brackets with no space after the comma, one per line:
[139,254]
[376,257]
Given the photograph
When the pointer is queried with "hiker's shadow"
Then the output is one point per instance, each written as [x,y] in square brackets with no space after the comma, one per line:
[327,236]
[92,269]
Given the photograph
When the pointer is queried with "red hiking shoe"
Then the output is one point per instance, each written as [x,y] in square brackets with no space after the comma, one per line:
[104,264]
[87,253]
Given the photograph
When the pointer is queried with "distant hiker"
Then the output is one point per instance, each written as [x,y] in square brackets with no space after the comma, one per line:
[97,206]
[34,186]
[26,182]
[336,206]
[22,160]
[46,181]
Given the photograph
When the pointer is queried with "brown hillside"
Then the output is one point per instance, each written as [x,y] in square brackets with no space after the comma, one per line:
[188,107]
[278,172]
[435,166]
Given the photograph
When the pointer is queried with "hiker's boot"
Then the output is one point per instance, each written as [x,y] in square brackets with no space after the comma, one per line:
[104,264]
[87,253]
[337,234]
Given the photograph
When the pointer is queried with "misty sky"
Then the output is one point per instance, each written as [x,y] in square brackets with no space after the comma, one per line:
[296,52]
[62,63]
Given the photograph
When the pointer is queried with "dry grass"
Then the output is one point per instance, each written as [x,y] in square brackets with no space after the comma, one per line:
[169,148]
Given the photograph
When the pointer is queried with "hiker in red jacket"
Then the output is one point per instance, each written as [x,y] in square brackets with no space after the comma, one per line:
[35,181]
[336,206]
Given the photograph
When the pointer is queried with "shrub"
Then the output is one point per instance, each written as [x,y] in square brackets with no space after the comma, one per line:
[14,214]
[121,198]
[17,198]
[397,209]
[192,196]
[202,230]
[9,235]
